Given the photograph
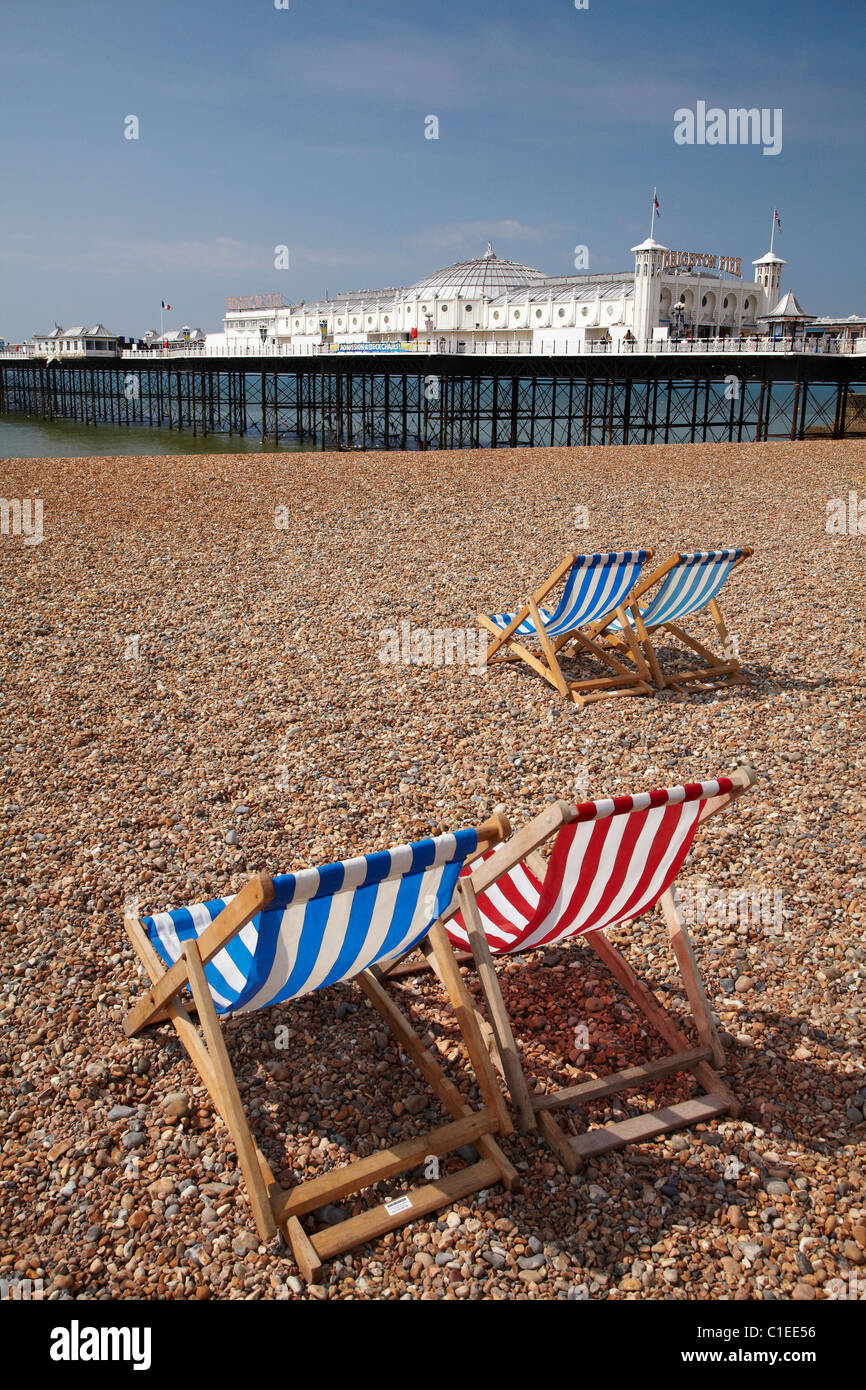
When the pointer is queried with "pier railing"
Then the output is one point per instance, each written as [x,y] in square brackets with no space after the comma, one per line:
[523,347]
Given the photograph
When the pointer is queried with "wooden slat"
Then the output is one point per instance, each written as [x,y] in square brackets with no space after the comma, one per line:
[628,1079]
[385,1163]
[377,1221]
[650,1126]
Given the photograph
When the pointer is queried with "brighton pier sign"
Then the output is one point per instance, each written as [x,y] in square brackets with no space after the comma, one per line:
[685,260]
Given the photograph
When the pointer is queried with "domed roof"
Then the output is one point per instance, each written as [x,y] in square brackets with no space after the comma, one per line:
[486,275]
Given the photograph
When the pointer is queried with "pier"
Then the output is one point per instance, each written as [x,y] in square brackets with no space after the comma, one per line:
[373,401]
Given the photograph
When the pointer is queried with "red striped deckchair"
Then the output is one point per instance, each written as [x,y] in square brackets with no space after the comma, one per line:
[611,861]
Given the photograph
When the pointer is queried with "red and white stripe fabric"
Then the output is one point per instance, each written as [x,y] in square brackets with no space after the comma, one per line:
[610,864]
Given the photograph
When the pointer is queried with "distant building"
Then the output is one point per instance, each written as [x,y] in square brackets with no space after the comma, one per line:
[175,339]
[76,342]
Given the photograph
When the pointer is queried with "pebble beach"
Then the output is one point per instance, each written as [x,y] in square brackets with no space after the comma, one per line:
[195,689]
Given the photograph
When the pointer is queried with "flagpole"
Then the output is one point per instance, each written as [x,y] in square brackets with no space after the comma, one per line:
[772,231]
[161,330]
[653,216]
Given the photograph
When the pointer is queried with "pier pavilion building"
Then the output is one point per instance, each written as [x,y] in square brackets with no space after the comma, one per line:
[490,300]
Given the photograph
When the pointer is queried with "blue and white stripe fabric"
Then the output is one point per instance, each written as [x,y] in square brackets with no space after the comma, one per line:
[323,925]
[688,587]
[594,586]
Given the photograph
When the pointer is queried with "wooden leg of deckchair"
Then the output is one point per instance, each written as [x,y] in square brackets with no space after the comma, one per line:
[227,1089]
[431,963]
[192,1041]
[547,647]
[306,1256]
[517,652]
[729,668]
[434,1075]
[461,1003]
[660,1019]
[632,643]
[685,956]
[502,1032]
[647,644]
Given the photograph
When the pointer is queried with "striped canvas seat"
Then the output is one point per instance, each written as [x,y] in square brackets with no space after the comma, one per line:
[611,863]
[323,925]
[688,587]
[594,586]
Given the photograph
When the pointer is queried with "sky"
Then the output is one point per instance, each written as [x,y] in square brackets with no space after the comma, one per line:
[305,127]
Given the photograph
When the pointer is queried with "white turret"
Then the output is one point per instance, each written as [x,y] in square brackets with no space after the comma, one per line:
[768,274]
[648,257]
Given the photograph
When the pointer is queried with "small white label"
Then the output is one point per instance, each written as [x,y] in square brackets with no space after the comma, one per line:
[399,1204]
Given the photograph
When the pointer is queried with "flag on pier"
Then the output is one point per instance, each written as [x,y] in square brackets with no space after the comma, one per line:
[778,219]
[165,306]
[656,204]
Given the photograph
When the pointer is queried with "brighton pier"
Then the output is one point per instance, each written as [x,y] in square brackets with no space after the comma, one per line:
[404,401]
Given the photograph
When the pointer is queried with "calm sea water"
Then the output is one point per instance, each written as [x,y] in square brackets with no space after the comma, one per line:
[26,437]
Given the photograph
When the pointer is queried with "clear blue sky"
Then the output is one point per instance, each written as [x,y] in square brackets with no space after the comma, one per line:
[305,127]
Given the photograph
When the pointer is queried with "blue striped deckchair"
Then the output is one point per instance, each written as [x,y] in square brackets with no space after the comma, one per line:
[690,583]
[596,588]
[283,937]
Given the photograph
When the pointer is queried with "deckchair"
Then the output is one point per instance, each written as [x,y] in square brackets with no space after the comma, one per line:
[611,861]
[595,590]
[281,938]
[690,583]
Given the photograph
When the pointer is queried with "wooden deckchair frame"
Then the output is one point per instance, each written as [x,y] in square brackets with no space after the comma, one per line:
[622,681]
[720,671]
[275,1207]
[534,1111]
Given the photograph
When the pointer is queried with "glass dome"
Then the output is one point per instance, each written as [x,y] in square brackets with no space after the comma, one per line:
[487,275]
